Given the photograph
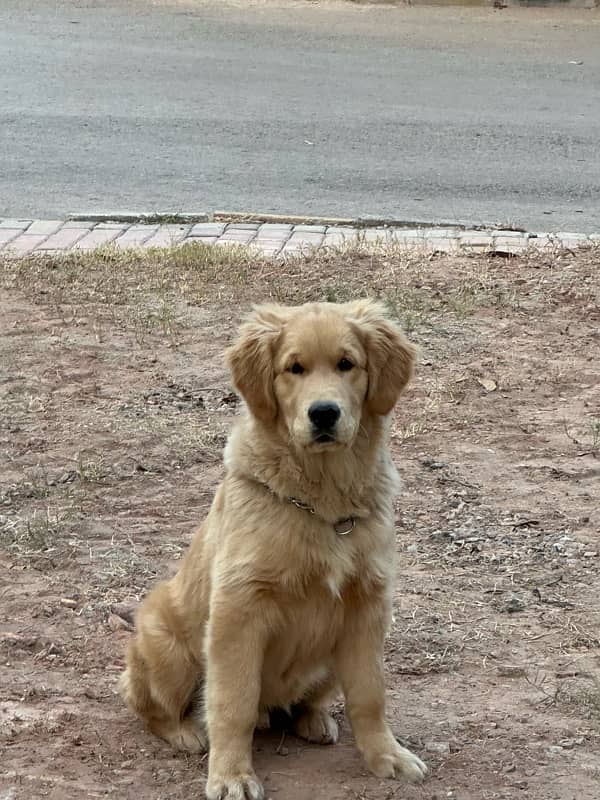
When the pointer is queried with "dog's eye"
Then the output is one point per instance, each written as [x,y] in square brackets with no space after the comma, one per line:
[345,365]
[296,368]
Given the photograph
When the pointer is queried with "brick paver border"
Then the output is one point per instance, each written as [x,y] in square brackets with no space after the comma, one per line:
[22,237]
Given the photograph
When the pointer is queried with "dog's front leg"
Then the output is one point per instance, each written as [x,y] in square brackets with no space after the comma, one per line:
[359,665]
[234,656]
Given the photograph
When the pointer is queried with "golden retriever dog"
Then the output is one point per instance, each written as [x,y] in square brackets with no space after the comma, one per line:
[284,597]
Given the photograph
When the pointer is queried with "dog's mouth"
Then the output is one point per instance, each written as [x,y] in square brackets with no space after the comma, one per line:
[324,438]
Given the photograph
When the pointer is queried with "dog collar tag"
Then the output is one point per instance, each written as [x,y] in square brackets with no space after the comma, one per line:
[344,526]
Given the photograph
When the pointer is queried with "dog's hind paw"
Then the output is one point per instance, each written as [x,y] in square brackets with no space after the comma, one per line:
[189,735]
[263,723]
[316,725]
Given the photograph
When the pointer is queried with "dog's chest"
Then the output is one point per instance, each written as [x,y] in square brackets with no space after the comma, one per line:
[339,564]
[337,572]
[356,560]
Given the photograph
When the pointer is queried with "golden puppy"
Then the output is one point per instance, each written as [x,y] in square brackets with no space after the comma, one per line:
[286,591]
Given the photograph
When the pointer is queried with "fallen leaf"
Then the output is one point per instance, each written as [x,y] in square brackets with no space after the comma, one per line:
[117,623]
[488,384]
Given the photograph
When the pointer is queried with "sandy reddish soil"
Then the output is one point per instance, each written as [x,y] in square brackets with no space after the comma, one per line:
[114,406]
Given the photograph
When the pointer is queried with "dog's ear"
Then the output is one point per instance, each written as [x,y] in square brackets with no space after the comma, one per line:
[390,356]
[250,360]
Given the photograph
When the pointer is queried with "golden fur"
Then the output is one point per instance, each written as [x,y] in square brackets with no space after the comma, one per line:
[271,607]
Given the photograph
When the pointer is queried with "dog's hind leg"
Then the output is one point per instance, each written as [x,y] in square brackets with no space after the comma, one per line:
[163,675]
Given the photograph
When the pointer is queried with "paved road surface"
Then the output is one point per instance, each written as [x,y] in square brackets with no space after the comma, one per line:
[412,113]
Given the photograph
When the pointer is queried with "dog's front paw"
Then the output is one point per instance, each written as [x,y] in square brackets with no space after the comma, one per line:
[391,760]
[234,787]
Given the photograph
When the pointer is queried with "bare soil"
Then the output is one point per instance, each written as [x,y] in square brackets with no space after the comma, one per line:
[114,407]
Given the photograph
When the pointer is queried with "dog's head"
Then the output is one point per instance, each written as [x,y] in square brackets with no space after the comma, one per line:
[317,369]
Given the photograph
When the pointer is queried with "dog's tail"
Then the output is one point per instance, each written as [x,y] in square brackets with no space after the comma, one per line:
[133,683]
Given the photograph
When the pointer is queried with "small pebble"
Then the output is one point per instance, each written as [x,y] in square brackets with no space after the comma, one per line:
[569,744]
[513,606]
[511,671]
[438,747]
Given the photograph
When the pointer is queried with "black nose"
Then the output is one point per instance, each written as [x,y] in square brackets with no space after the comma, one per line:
[324,415]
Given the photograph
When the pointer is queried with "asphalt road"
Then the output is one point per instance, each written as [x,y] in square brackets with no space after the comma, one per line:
[412,113]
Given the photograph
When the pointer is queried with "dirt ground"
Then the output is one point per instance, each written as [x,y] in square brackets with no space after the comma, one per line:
[114,407]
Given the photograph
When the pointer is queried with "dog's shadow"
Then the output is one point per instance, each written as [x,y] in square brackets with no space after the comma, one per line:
[289,764]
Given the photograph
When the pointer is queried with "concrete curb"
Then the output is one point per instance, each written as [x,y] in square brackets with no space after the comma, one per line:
[357,222]
[27,237]
[497,4]
[148,218]
[177,218]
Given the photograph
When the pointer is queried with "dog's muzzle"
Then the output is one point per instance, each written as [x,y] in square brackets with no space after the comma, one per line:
[324,416]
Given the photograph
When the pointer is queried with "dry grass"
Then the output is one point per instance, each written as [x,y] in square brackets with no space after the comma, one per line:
[160,284]
[39,535]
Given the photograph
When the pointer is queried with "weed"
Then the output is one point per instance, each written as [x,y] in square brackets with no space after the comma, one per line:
[584,697]
[589,440]
[35,486]
[341,293]
[594,433]
[411,306]
[36,534]
[90,471]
